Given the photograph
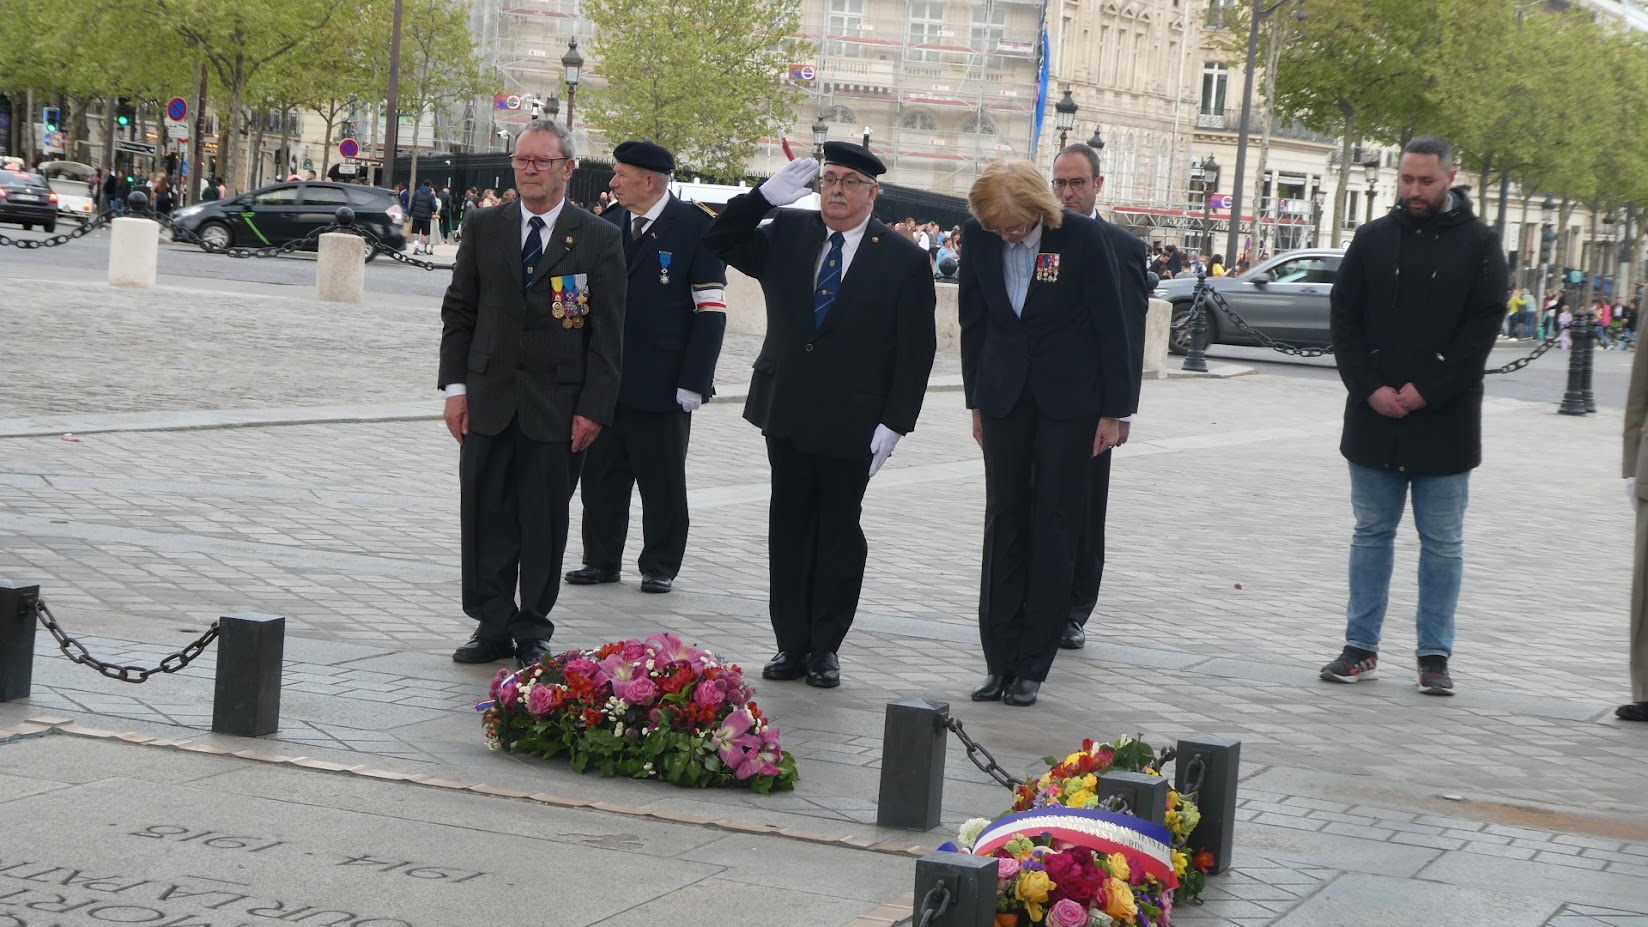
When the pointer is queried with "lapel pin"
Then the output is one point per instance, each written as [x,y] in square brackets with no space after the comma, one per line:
[569,239]
[875,239]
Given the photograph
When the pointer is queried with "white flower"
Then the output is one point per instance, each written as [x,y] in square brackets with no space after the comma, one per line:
[650,666]
[970,831]
[618,729]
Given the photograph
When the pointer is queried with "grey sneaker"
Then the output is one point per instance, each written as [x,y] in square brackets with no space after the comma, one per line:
[1354,665]
[1433,676]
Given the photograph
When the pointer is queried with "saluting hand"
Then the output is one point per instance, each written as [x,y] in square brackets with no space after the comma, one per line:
[584,432]
[790,183]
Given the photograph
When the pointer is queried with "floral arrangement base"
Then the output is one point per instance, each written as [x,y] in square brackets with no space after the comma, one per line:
[644,709]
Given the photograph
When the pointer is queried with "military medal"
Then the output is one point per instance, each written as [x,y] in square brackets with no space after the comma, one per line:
[663,263]
[556,308]
[581,282]
[1047,267]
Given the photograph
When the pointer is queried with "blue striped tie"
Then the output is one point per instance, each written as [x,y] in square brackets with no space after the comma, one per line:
[531,250]
[829,280]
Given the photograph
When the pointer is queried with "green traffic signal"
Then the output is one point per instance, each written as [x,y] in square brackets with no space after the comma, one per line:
[123,119]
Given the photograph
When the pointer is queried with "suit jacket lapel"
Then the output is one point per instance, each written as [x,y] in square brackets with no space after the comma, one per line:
[992,278]
[509,218]
[649,239]
[560,243]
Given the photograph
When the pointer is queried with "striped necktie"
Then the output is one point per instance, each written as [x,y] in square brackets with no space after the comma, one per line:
[829,280]
[532,250]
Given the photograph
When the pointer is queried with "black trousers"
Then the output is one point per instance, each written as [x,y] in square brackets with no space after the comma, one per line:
[646,450]
[1084,591]
[1035,484]
[514,530]
[815,547]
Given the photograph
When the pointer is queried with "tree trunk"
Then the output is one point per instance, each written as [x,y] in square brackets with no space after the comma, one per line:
[412,155]
[228,137]
[260,119]
[1342,195]
[1273,54]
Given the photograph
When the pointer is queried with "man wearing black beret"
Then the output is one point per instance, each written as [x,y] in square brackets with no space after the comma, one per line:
[673,325]
[840,378]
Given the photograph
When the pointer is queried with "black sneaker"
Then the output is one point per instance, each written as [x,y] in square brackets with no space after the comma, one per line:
[1354,665]
[1433,676]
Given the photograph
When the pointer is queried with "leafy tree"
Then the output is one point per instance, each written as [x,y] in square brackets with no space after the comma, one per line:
[439,63]
[700,77]
[345,66]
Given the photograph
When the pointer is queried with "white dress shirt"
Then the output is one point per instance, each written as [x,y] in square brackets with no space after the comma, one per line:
[650,215]
[459,389]
[1017,267]
[849,247]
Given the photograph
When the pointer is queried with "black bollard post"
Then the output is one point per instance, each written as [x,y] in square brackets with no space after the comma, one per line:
[246,700]
[1196,355]
[1146,796]
[1573,401]
[971,882]
[17,623]
[1216,762]
[1592,323]
[912,764]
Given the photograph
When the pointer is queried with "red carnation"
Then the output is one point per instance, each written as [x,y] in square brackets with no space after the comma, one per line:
[1074,878]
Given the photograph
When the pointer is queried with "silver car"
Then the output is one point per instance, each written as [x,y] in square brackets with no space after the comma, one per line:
[1286,297]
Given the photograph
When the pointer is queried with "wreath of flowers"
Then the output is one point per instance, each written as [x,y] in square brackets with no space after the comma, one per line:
[646,709]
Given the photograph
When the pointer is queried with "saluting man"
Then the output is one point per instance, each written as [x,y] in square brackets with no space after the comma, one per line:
[840,378]
[673,326]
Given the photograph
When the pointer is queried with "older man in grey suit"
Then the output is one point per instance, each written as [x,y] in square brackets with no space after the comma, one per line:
[531,345]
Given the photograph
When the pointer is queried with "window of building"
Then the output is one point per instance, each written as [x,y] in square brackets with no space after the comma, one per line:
[846,18]
[926,25]
[978,124]
[989,26]
[1215,78]
[917,119]
[839,114]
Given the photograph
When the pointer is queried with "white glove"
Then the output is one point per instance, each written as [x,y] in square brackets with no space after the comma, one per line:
[689,400]
[881,447]
[790,183]
[1631,492]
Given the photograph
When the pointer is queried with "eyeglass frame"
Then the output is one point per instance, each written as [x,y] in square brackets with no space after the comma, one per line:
[845,181]
[1074,183]
[521,163]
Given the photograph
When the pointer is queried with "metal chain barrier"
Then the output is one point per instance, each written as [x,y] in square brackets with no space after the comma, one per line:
[77,652]
[85,228]
[1521,362]
[981,757]
[931,907]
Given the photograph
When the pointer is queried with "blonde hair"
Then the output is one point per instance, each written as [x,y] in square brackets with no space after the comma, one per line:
[1013,192]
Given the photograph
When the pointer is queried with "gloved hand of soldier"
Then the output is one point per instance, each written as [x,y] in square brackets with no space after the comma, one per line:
[881,446]
[689,400]
[790,183]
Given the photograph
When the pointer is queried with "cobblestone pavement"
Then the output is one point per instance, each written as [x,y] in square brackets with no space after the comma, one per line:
[1224,592]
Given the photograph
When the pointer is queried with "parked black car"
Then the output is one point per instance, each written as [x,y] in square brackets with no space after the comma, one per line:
[1285,297]
[284,212]
[27,200]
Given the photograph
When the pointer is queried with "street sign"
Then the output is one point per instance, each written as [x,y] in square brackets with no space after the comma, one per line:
[177,109]
[142,148]
[179,131]
[803,72]
[1222,200]
[349,148]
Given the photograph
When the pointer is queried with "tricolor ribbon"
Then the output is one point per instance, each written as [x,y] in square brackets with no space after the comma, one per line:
[1101,831]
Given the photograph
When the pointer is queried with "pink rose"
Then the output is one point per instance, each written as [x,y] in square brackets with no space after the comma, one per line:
[639,692]
[1006,867]
[509,694]
[634,652]
[540,701]
[582,668]
[1067,913]
[708,695]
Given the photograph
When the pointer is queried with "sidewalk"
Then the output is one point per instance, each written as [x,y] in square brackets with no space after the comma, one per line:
[1517,802]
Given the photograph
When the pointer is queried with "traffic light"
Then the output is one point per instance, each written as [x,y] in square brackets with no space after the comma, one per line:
[123,113]
[49,116]
[1547,244]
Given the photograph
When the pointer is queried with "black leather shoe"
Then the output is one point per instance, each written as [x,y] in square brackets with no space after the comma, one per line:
[823,671]
[1073,638]
[993,686]
[656,582]
[786,665]
[481,650]
[530,652]
[1021,693]
[590,576]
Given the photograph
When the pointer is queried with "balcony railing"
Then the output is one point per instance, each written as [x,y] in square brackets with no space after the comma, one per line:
[1231,121]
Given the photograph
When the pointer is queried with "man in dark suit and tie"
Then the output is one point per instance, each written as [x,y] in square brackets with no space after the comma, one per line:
[533,325]
[673,324]
[1044,361]
[1077,182]
[840,378]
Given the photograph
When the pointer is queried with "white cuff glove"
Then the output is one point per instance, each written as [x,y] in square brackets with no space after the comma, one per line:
[881,447]
[689,400]
[1631,493]
[790,183]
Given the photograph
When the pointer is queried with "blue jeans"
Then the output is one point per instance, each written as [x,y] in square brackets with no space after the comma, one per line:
[1379,496]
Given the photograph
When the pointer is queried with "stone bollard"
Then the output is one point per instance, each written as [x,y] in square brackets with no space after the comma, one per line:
[340,274]
[971,883]
[1217,761]
[17,623]
[1146,796]
[134,248]
[912,764]
[1158,331]
[246,698]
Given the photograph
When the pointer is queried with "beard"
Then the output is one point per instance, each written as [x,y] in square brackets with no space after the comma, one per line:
[1425,209]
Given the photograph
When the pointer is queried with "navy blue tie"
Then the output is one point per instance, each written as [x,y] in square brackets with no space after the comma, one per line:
[531,250]
[829,280]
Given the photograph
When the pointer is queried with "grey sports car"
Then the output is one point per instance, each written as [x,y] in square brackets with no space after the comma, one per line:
[1286,297]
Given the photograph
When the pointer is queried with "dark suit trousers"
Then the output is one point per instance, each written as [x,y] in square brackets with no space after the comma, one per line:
[514,528]
[1035,484]
[815,547]
[646,450]
[1084,592]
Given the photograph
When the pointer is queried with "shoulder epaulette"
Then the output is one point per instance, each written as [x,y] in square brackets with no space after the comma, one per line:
[707,210]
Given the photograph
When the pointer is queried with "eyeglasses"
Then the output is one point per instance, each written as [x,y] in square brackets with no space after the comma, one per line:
[1076,184]
[537,164]
[846,182]
[1010,232]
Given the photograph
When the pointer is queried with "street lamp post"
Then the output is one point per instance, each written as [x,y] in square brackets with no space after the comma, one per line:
[1260,14]
[1096,142]
[552,106]
[1066,115]
[866,137]
[508,141]
[1316,200]
[1547,211]
[1372,168]
[821,134]
[1210,183]
[573,64]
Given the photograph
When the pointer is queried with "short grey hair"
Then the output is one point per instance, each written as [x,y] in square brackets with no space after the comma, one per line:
[1431,145]
[1086,151]
[553,128]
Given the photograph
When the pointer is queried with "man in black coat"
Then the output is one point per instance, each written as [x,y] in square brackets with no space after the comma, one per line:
[1077,181]
[673,325]
[1415,310]
[1045,363]
[533,327]
[840,378]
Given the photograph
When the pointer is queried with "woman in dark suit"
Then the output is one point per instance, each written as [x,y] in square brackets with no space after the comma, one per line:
[1045,368]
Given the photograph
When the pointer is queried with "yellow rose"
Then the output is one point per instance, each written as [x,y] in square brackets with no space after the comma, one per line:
[1118,901]
[1117,864]
[1082,799]
[1173,821]
[1090,782]
[1181,863]
[1033,889]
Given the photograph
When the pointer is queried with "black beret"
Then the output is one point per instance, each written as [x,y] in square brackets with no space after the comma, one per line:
[856,157]
[646,156]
